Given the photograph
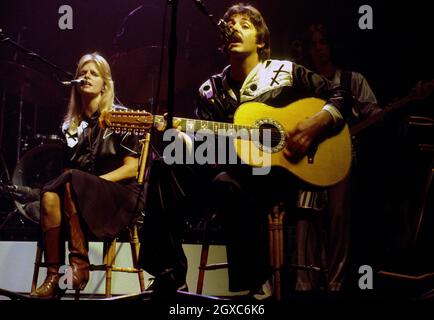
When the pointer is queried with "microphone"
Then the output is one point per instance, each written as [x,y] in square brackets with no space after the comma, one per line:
[225,31]
[80,82]
[19,189]
[22,193]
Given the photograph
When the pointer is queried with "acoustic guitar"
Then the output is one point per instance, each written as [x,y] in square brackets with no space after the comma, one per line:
[326,163]
[419,92]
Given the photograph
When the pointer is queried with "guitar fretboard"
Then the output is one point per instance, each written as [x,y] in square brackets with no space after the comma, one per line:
[218,128]
[357,128]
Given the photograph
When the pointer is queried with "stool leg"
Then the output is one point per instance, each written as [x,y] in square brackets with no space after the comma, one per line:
[203,263]
[276,258]
[279,253]
[275,228]
[272,247]
[135,247]
[270,240]
[109,260]
[38,260]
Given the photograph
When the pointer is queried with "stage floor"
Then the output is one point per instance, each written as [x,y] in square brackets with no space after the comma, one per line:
[17,259]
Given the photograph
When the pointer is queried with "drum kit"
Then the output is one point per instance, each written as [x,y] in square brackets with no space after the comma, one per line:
[38,157]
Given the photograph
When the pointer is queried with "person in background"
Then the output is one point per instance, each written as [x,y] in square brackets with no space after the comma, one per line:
[335,257]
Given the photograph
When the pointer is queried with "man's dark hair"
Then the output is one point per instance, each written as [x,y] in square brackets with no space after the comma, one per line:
[263,34]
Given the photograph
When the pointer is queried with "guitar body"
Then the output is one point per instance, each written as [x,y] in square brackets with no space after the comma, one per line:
[326,165]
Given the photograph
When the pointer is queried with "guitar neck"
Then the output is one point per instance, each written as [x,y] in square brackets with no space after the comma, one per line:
[194,125]
[357,128]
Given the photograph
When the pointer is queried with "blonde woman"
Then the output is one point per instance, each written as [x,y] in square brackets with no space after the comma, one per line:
[98,191]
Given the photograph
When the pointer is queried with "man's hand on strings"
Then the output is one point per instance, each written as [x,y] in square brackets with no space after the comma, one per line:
[305,132]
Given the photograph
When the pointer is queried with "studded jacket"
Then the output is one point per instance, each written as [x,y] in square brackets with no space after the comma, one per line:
[275,83]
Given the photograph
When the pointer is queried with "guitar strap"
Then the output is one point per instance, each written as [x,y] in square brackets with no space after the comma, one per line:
[346,79]
[345,82]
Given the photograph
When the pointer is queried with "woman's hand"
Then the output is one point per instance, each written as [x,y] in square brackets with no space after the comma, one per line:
[126,171]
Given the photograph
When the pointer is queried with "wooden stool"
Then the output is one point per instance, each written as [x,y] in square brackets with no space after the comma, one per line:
[275,241]
[275,227]
[204,266]
[109,258]
[276,220]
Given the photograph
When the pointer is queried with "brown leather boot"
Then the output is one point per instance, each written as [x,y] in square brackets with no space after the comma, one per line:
[78,256]
[54,252]
[78,246]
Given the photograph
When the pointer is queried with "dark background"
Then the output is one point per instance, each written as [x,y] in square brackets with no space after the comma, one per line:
[393,57]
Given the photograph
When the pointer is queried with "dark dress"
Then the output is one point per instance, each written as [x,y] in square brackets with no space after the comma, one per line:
[106,207]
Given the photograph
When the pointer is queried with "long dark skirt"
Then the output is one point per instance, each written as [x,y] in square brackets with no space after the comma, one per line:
[106,207]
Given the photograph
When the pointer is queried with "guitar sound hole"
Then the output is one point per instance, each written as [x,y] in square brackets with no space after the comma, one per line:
[276,135]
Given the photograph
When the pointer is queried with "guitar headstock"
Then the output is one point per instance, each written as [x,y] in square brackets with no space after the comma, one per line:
[421,90]
[137,122]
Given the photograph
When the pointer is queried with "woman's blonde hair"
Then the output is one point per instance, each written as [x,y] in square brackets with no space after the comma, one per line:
[75,107]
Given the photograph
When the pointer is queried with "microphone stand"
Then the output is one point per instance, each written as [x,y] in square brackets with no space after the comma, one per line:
[143,172]
[221,25]
[173,43]
[32,55]
[145,160]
